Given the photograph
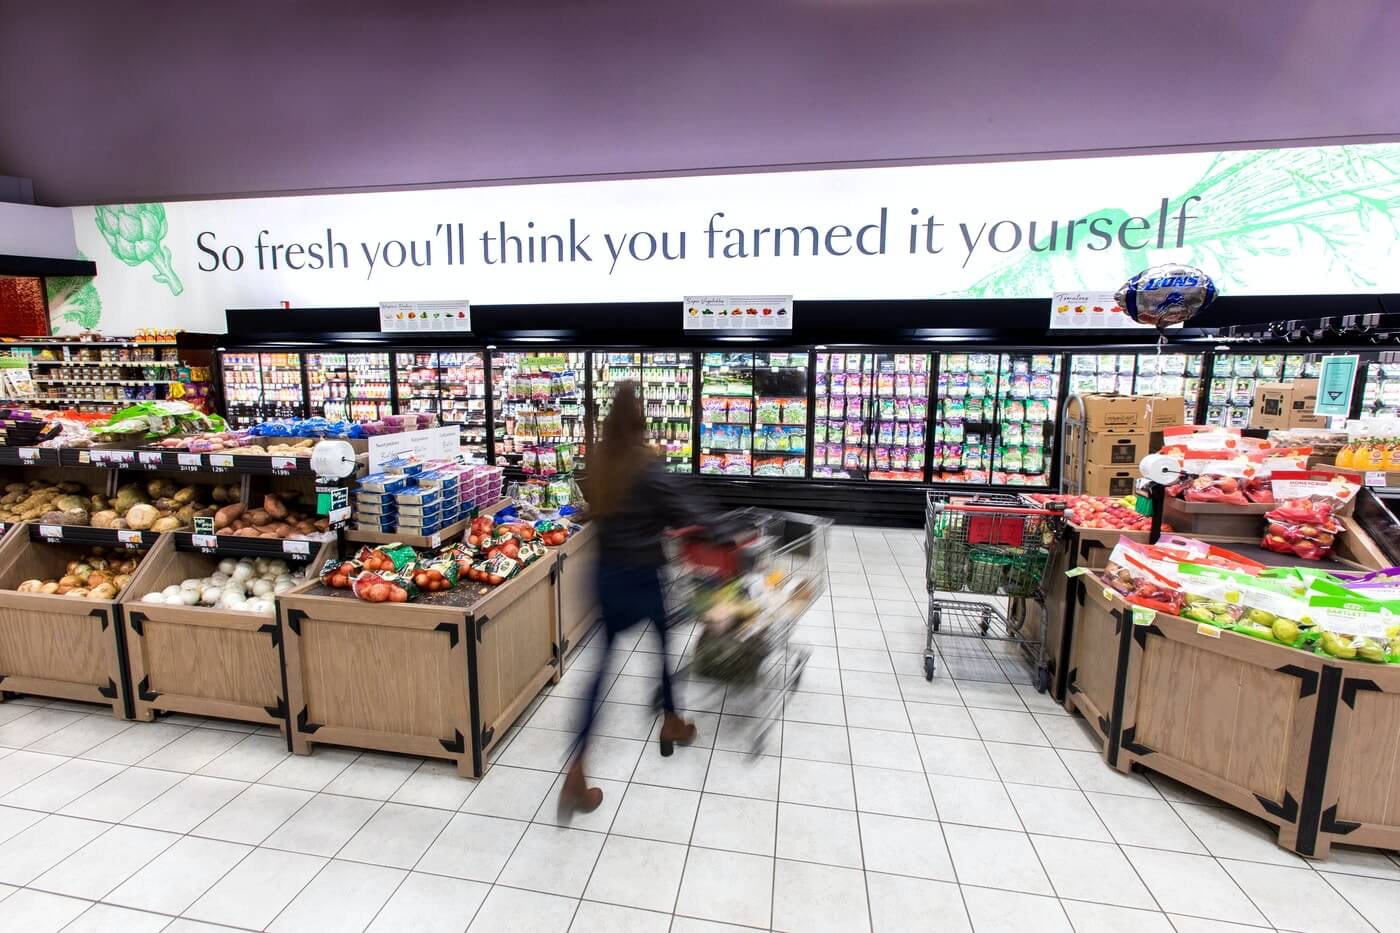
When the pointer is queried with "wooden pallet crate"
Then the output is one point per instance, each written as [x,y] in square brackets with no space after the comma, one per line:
[201,660]
[441,677]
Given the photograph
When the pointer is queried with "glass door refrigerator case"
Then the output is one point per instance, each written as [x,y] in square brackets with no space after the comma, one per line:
[871,414]
[996,418]
[845,385]
[753,414]
[1171,375]
[1380,393]
[327,385]
[1235,376]
[539,403]
[666,381]
[370,395]
[451,385]
[258,386]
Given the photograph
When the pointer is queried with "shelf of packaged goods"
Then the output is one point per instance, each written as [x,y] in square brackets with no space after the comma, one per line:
[758,452]
[108,382]
[34,361]
[44,399]
[87,343]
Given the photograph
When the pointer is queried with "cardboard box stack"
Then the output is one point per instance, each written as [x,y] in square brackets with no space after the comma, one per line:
[1279,406]
[1106,436]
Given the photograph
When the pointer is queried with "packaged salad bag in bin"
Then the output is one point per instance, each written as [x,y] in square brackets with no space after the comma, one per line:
[1303,520]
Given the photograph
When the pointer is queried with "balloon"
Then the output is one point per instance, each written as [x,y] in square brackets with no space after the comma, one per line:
[1166,294]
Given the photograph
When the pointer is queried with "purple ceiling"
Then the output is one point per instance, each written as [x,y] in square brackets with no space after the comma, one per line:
[106,101]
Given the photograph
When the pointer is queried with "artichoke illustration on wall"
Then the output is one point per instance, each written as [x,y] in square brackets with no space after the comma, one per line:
[134,232]
[73,299]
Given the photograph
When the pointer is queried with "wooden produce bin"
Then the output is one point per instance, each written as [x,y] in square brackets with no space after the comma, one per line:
[578,591]
[1092,659]
[1304,742]
[1360,801]
[1215,519]
[443,677]
[201,660]
[62,647]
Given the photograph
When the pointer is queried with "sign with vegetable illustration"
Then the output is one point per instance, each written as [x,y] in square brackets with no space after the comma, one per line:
[1272,221]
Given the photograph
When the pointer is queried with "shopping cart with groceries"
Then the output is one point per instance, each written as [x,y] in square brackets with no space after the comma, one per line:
[982,551]
[745,581]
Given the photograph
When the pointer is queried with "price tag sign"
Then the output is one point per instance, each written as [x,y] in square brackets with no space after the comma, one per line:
[1076,572]
[296,547]
[204,542]
[435,540]
[85,456]
[129,536]
[284,465]
[151,459]
[51,532]
[121,457]
[1209,631]
[331,499]
[1143,616]
[221,462]
[191,462]
[204,525]
[29,454]
[95,456]
[338,517]
[1376,478]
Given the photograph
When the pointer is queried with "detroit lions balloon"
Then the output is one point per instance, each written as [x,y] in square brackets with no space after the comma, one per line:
[1166,294]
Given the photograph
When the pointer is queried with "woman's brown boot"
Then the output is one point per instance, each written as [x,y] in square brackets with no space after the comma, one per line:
[576,796]
[675,730]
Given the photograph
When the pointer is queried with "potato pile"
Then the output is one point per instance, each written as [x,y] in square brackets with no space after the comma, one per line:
[95,576]
[155,505]
[51,503]
[275,519]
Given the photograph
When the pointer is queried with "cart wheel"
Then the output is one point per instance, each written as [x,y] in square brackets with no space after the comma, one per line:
[985,625]
[1042,679]
[928,667]
[937,620]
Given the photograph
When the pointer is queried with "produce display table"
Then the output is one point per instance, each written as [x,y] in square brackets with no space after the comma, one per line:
[443,677]
[1307,743]
[578,596]
[203,661]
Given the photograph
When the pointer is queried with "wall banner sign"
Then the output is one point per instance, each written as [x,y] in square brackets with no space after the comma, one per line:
[1299,221]
[418,316]
[737,312]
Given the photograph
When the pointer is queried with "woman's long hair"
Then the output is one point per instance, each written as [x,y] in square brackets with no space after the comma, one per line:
[622,452]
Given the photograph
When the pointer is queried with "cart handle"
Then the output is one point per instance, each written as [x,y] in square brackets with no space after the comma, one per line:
[994,509]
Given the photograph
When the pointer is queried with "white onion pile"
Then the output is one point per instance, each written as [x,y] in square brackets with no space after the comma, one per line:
[244,585]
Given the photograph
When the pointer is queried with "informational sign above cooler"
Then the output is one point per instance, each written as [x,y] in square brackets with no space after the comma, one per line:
[1090,311]
[421,316]
[737,312]
[986,230]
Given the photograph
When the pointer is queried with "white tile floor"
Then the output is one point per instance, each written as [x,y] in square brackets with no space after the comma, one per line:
[882,803]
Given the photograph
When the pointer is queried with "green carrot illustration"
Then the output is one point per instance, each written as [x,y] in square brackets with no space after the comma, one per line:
[134,232]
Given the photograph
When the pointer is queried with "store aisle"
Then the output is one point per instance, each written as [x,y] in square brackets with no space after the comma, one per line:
[883,803]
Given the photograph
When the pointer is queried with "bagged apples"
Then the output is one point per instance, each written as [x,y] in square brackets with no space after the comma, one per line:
[1303,522]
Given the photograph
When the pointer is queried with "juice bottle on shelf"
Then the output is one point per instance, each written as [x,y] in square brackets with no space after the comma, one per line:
[1346,457]
[1392,460]
[1377,453]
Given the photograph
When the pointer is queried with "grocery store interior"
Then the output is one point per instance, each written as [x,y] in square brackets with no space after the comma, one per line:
[807,466]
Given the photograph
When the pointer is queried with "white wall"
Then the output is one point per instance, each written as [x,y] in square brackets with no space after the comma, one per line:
[46,232]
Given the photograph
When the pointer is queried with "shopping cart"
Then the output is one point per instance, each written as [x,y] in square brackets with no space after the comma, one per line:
[991,546]
[746,581]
